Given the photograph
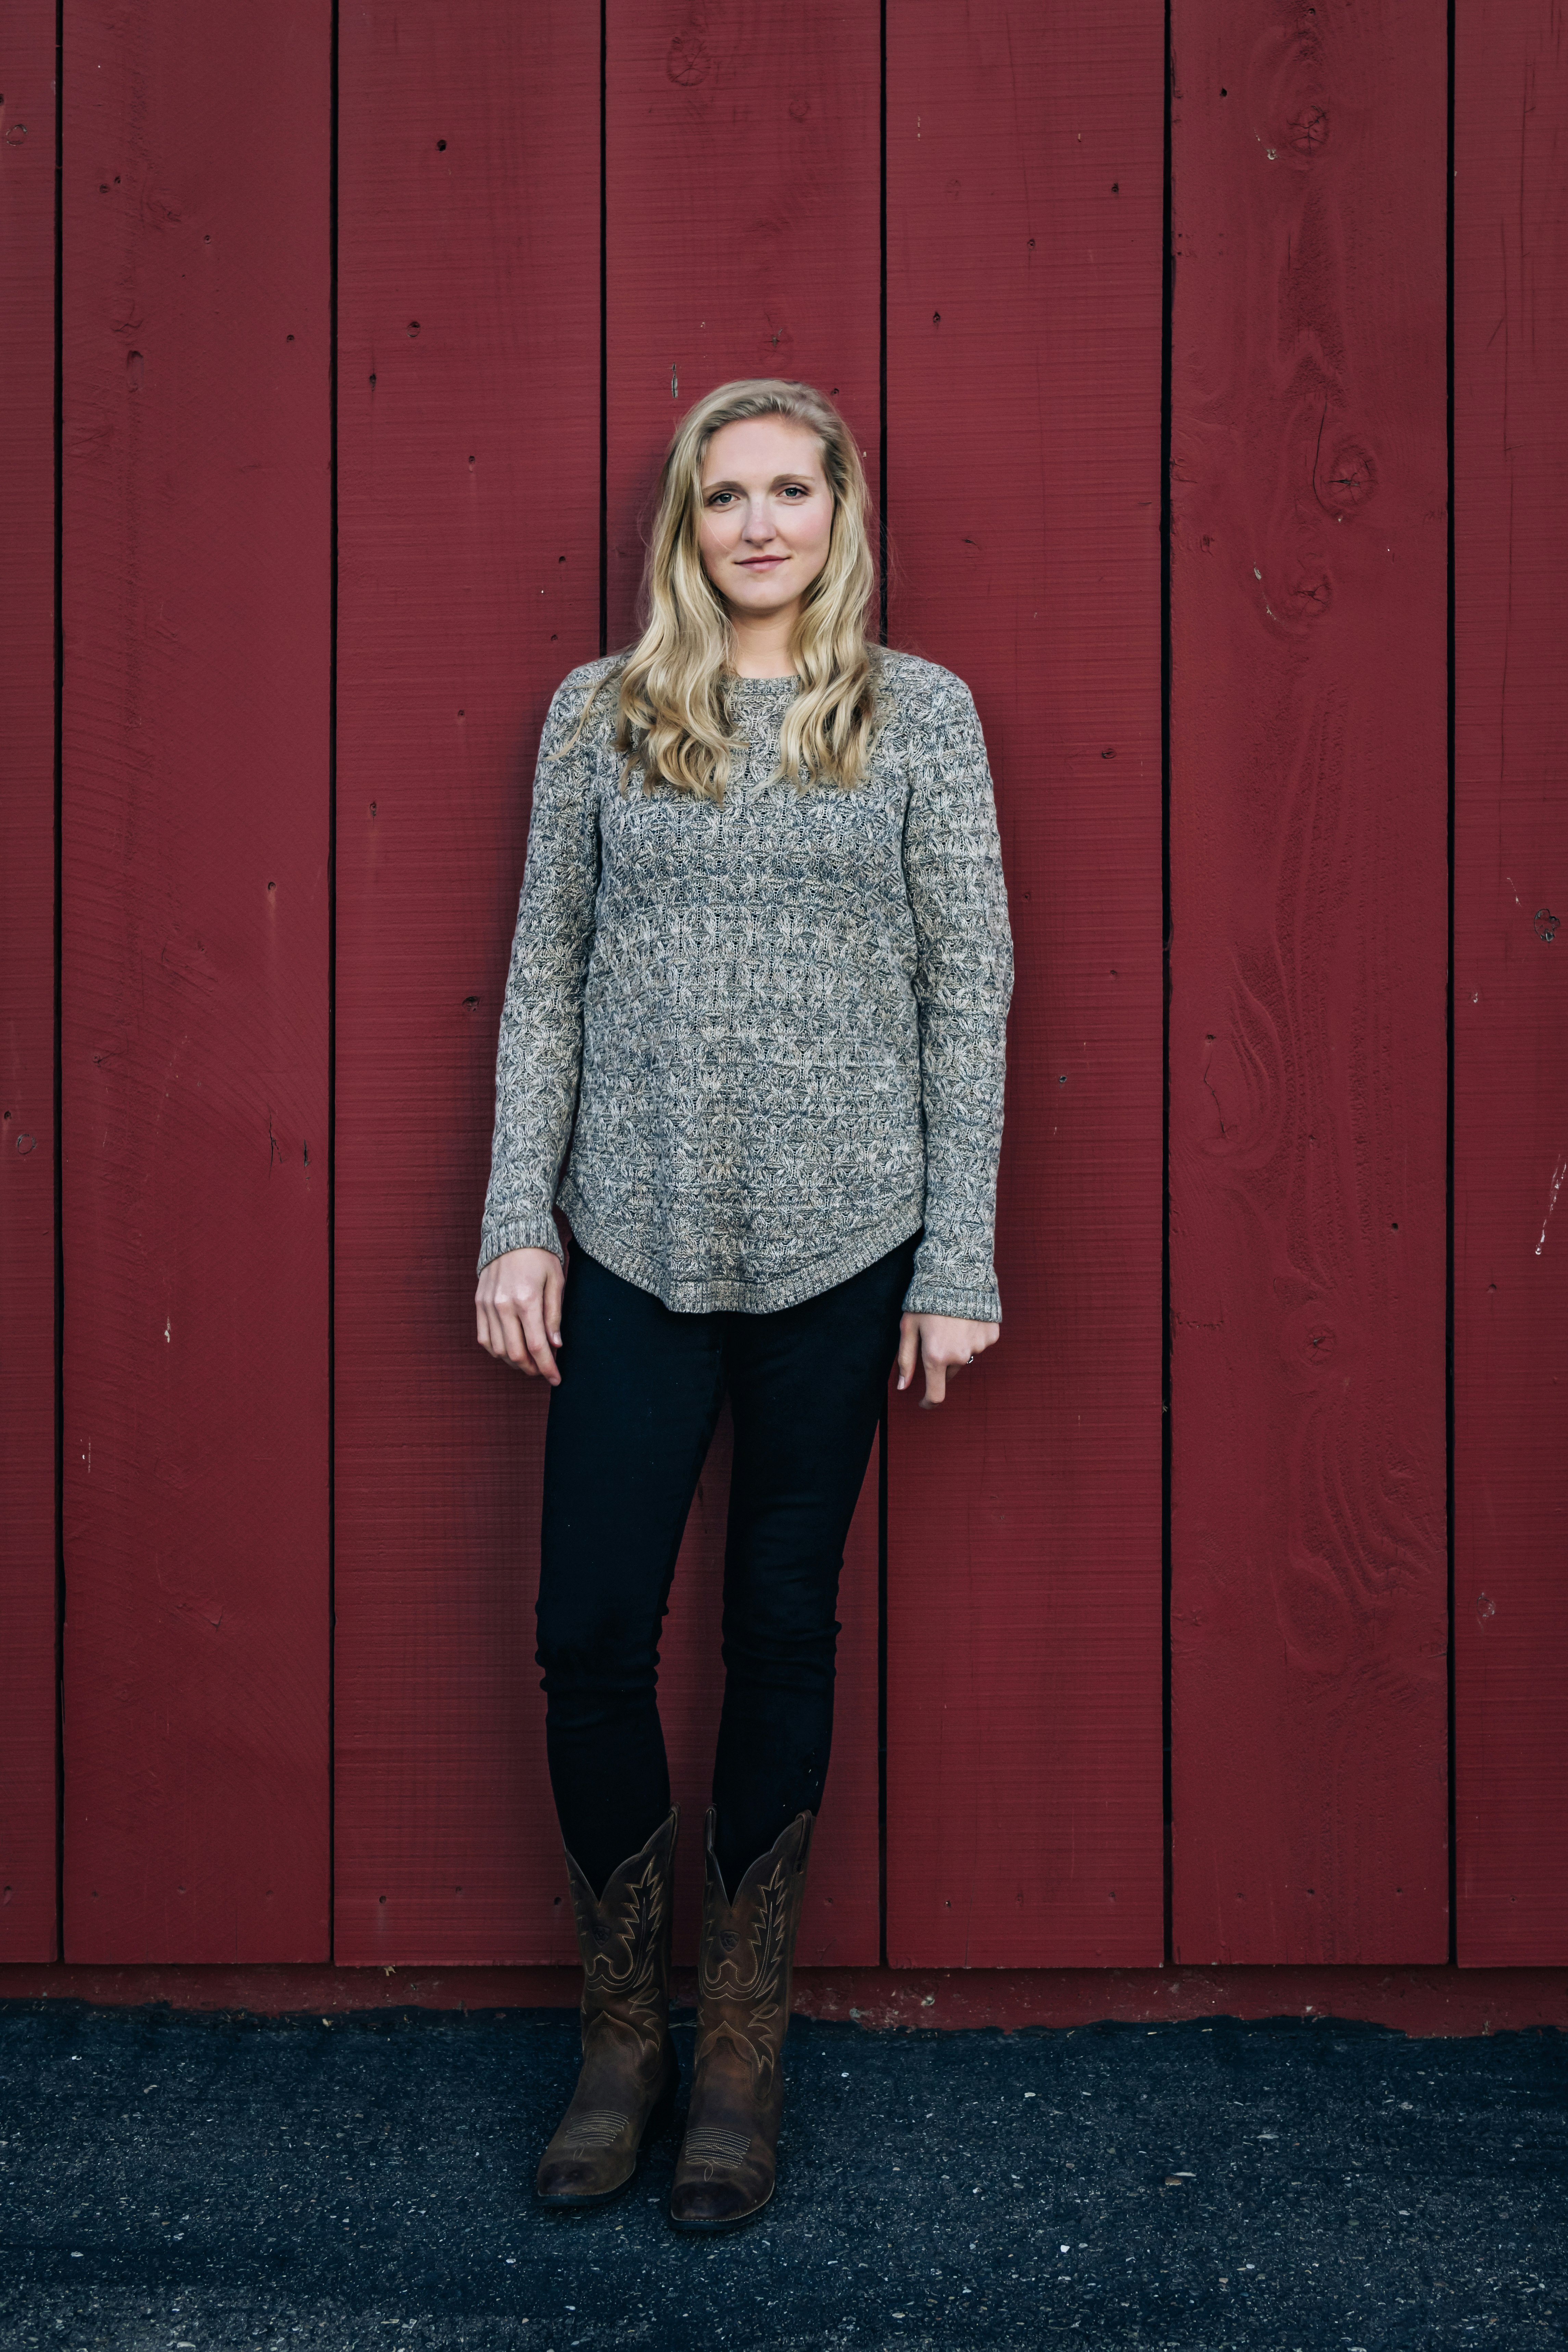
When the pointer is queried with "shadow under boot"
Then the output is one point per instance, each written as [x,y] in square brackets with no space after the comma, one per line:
[724,2174]
[625,2088]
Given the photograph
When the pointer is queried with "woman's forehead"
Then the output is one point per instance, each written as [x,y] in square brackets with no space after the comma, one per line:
[762,445]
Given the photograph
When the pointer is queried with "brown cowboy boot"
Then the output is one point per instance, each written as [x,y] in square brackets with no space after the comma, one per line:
[725,2171]
[625,2090]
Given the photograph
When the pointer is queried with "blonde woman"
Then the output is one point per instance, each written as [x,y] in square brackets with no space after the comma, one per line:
[759,984]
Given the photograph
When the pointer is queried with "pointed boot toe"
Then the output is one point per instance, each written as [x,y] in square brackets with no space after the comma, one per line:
[717,2187]
[596,2152]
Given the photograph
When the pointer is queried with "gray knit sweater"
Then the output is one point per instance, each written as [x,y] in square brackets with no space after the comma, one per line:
[779,1020]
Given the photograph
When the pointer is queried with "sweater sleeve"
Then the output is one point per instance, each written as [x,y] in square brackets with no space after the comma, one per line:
[539,1053]
[963,985]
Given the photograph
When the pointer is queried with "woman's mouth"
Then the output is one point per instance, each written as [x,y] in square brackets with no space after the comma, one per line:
[762,563]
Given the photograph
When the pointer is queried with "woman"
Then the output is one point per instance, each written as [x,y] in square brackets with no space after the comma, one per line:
[763,960]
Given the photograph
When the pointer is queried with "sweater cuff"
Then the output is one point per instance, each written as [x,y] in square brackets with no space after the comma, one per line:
[933,1298]
[520,1233]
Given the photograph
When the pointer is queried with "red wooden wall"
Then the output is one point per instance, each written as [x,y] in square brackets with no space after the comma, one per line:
[699,288]
[28,1164]
[195,975]
[1308,910]
[468,562]
[1510,984]
[1024,187]
[359,405]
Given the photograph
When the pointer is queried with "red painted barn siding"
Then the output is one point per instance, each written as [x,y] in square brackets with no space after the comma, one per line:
[704,284]
[1009,332]
[27,1139]
[1307,1018]
[195,982]
[1024,1598]
[1511,982]
[468,556]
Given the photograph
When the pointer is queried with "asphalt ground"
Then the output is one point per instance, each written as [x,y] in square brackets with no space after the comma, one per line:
[177,2181]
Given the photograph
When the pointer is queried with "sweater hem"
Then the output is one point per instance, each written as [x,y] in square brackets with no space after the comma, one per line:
[692,1297]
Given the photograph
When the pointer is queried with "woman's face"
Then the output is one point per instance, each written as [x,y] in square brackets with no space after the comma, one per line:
[766,515]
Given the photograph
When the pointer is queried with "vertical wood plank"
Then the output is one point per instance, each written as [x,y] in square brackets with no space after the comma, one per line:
[1510,984]
[1308,957]
[195,985]
[468,548]
[774,272]
[27,160]
[1024,169]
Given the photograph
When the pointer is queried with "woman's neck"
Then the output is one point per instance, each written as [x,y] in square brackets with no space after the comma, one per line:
[763,646]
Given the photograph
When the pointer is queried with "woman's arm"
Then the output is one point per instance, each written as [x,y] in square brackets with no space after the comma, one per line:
[539,1051]
[963,985]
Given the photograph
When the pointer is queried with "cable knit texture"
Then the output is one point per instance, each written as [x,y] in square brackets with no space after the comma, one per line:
[778,1020]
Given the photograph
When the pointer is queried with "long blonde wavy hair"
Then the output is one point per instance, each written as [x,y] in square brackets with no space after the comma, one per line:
[673,719]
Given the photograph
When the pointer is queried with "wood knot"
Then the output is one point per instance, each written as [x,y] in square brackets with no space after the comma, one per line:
[686,62]
[1307,132]
[1346,480]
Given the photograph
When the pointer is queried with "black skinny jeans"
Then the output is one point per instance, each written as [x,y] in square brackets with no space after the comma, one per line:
[629,1430]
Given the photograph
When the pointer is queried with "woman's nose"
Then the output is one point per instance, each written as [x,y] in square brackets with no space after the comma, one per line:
[759,522]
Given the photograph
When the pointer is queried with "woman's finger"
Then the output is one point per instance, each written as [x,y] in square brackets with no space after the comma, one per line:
[493,1335]
[554,1290]
[936,1385]
[536,1343]
[513,1348]
[909,1349]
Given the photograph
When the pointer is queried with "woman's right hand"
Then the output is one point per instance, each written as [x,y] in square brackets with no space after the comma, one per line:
[518,1305]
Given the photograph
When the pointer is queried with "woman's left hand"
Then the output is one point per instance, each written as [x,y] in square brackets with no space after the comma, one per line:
[944,1344]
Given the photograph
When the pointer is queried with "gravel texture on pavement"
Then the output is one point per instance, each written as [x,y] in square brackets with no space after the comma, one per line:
[213,2182]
